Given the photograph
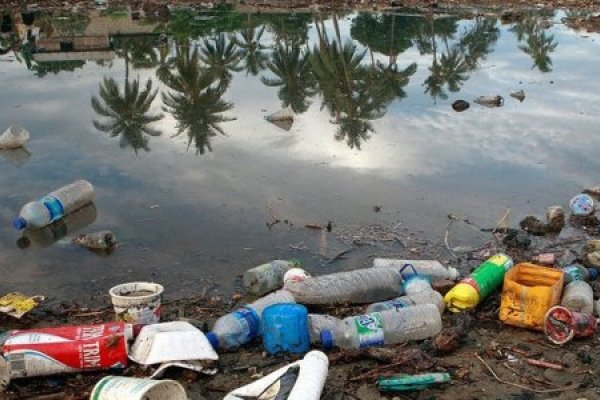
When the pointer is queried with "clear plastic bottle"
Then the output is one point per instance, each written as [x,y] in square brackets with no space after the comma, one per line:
[576,272]
[267,277]
[42,212]
[425,297]
[433,269]
[385,327]
[243,325]
[359,286]
[317,323]
[578,296]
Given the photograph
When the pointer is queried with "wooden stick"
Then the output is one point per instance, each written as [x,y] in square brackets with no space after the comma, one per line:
[544,364]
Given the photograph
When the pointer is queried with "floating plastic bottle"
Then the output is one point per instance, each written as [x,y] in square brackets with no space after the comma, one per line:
[578,296]
[430,268]
[426,297]
[267,277]
[480,284]
[359,286]
[385,327]
[243,325]
[55,205]
[576,272]
[14,137]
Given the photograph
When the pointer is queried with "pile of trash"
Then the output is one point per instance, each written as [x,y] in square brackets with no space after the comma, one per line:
[406,302]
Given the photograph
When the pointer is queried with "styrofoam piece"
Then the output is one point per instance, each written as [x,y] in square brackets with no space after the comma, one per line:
[171,341]
[308,386]
[14,137]
[125,388]
[191,365]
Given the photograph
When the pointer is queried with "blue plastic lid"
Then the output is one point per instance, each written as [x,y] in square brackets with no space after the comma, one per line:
[593,274]
[20,223]
[326,339]
[213,340]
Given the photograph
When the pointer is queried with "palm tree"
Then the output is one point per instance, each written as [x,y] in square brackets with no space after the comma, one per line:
[221,58]
[195,101]
[291,66]
[251,50]
[127,112]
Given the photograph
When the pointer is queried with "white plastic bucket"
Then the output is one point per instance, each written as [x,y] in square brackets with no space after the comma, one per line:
[137,308]
[123,388]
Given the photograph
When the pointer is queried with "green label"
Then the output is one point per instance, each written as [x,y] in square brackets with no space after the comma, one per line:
[490,274]
[370,330]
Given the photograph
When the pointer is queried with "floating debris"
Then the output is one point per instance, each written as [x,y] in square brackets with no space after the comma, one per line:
[490,101]
[102,240]
[14,137]
[519,95]
[460,105]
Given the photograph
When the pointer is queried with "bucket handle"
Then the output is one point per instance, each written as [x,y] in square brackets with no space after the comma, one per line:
[405,266]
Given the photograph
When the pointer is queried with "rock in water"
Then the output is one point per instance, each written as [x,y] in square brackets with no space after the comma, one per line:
[556,219]
[519,95]
[460,105]
[533,225]
[97,241]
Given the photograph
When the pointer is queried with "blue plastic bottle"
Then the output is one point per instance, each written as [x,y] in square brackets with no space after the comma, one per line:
[285,328]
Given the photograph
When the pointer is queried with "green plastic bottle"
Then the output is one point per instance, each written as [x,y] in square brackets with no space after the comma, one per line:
[411,382]
[480,284]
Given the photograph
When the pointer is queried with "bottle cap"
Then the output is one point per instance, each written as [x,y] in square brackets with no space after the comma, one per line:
[213,340]
[20,223]
[326,339]
[593,274]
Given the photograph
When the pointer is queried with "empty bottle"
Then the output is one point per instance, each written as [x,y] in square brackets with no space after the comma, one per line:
[425,297]
[576,272]
[480,284]
[267,277]
[243,325]
[14,137]
[578,296]
[430,268]
[317,323]
[359,286]
[412,282]
[385,327]
[55,205]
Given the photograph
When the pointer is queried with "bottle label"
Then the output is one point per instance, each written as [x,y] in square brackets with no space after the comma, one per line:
[249,322]
[54,207]
[370,330]
[574,274]
[501,260]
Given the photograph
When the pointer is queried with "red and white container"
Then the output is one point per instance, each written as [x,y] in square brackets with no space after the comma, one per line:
[66,349]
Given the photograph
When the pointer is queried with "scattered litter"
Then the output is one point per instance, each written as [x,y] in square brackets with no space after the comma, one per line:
[411,382]
[137,302]
[197,366]
[102,240]
[14,137]
[561,325]
[124,388]
[16,304]
[460,105]
[490,101]
[519,95]
[171,341]
[267,277]
[578,296]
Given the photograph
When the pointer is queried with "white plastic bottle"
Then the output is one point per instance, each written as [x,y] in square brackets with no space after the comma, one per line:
[267,277]
[425,297]
[578,296]
[55,205]
[359,286]
[391,326]
[243,325]
[433,269]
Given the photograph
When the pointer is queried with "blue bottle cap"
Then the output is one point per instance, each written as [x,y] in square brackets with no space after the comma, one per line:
[213,340]
[20,223]
[326,339]
[593,274]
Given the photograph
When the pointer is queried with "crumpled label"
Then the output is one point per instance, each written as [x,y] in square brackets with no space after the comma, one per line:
[16,304]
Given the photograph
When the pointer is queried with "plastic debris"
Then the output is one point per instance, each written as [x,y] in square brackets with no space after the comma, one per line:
[16,304]
[460,105]
[561,325]
[519,95]
[137,302]
[582,205]
[295,275]
[171,341]
[490,101]
[124,388]
[197,366]
[14,137]
[283,118]
[411,382]
[102,240]
[301,380]
[285,329]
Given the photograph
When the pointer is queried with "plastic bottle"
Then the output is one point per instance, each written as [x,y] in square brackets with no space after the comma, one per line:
[578,296]
[359,286]
[426,297]
[267,277]
[480,284]
[317,323]
[14,137]
[576,272]
[56,231]
[385,327]
[430,268]
[55,205]
[243,325]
